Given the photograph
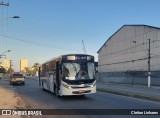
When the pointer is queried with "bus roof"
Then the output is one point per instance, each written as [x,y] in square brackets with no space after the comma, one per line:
[60,57]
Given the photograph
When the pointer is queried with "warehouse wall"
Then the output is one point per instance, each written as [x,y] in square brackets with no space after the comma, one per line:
[120,54]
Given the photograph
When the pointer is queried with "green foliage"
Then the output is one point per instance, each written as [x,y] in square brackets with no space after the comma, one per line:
[10,71]
[35,68]
[2,70]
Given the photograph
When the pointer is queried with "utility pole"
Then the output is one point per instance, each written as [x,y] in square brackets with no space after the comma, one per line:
[10,63]
[84,49]
[10,67]
[39,75]
[149,64]
[3,4]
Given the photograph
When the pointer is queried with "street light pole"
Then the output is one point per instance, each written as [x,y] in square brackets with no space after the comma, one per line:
[4,19]
[15,17]
[149,64]
[4,4]
[10,68]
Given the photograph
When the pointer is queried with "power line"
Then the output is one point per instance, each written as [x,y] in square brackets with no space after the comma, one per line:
[128,38]
[155,56]
[2,23]
[6,27]
[125,61]
[131,37]
[83,47]
[39,44]
[124,49]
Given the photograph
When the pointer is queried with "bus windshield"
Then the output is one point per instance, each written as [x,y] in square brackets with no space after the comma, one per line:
[78,71]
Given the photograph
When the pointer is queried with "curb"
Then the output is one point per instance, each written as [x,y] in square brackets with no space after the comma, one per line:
[134,95]
[129,85]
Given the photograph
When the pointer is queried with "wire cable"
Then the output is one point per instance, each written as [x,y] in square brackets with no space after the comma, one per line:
[40,44]
[125,61]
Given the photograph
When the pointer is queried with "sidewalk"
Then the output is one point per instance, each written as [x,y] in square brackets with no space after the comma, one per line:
[137,91]
[7,95]
[9,98]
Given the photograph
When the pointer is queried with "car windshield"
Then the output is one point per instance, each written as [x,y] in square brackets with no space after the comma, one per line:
[17,75]
[78,71]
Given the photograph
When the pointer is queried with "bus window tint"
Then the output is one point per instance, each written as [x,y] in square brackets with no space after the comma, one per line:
[77,71]
[69,70]
[91,70]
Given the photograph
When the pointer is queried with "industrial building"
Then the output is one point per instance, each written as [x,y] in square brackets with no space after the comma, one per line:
[23,64]
[6,64]
[126,56]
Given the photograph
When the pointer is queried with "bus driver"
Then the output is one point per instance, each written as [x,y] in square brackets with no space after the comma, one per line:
[65,72]
[81,74]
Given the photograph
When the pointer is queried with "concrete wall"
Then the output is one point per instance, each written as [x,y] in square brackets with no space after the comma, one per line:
[136,80]
[130,80]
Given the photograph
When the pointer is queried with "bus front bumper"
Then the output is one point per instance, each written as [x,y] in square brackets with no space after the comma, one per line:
[80,91]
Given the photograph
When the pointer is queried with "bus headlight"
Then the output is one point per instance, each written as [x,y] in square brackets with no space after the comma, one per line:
[66,86]
[93,84]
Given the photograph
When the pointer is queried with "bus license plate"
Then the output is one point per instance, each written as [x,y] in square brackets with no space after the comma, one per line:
[82,91]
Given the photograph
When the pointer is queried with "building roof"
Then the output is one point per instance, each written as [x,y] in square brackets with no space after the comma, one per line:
[125,26]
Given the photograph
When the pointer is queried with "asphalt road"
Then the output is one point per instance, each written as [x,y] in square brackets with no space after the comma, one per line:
[35,98]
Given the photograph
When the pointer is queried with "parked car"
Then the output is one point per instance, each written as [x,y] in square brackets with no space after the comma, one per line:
[17,78]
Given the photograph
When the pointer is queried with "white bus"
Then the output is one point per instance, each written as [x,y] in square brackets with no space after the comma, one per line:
[72,74]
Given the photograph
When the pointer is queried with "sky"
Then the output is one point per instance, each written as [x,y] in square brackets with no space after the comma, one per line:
[49,28]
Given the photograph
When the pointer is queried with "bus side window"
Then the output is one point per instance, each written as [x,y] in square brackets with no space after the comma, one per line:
[54,75]
[46,74]
[51,73]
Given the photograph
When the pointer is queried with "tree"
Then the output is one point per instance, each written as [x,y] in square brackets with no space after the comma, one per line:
[35,68]
[27,70]
[2,70]
[10,71]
